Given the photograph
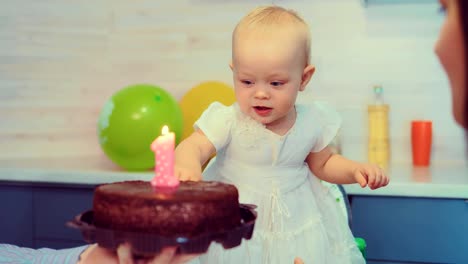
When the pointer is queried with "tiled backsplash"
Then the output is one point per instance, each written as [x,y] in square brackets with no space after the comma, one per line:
[60,61]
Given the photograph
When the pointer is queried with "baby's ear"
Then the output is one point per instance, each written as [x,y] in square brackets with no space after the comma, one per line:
[306,76]
[231,66]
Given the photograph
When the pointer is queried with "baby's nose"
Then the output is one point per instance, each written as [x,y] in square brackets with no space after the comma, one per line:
[262,93]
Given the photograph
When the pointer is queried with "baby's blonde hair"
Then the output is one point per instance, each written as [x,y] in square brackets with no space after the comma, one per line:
[270,17]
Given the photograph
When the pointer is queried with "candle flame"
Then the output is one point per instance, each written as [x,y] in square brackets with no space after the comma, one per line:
[165,130]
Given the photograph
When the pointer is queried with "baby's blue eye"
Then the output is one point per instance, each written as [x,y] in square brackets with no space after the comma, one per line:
[276,83]
[247,82]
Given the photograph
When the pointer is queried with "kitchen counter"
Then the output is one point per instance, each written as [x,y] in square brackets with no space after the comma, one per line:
[64,170]
[434,182]
[70,176]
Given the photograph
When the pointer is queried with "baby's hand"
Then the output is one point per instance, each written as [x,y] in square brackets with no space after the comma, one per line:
[370,175]
[184,174]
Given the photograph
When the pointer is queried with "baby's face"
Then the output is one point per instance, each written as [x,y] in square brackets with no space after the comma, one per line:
[268,70]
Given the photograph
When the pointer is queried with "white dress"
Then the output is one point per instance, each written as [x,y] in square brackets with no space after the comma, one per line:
[297,215]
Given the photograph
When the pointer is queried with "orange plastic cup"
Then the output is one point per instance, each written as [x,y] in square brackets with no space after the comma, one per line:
[421,142]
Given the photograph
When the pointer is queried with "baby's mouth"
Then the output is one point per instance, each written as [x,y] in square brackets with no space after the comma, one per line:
[262,110]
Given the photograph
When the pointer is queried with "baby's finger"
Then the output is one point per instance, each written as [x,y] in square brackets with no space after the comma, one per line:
[195,176]
[178,174]
[384,179]
[379,178]
[373,176]
[184,175]
[360,179]
[387,180]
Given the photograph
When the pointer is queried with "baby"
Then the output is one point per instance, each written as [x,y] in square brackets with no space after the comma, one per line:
[276,151]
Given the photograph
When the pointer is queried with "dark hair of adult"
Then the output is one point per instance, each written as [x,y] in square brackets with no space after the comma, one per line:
[463,7]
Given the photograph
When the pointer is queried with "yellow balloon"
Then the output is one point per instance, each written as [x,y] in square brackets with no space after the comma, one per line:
[195,101]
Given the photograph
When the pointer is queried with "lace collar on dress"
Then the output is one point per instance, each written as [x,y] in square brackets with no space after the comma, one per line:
[253,133]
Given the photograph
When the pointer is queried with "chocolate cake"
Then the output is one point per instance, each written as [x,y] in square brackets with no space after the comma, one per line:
[193,209]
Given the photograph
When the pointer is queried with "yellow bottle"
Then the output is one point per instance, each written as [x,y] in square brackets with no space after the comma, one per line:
[378,138]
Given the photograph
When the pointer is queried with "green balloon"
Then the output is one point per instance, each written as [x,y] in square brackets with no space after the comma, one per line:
[131,119]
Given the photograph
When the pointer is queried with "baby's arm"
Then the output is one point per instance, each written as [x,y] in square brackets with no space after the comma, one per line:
[191,154]
[337,169]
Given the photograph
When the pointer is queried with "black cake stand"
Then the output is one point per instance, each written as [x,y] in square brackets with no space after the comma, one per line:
[148,244]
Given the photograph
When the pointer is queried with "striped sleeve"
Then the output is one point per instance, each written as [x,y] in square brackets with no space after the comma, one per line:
[19,255]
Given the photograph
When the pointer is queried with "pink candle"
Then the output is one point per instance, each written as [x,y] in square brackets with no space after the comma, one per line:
[163,147]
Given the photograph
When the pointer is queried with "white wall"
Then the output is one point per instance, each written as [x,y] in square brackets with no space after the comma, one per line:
[60,61]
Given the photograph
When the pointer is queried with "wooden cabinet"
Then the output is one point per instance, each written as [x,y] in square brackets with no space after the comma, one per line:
[34,215]
[412,230]
[53,207]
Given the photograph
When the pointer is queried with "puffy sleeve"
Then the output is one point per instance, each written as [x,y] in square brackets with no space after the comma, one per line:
[215,122]
[327,121]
